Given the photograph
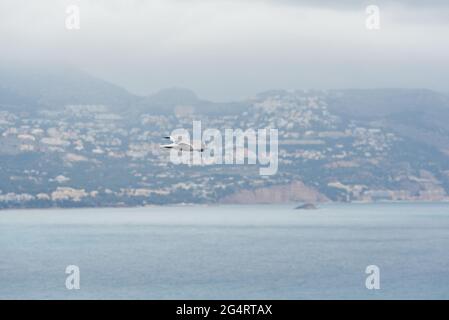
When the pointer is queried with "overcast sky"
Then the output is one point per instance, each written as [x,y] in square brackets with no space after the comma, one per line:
[230,49]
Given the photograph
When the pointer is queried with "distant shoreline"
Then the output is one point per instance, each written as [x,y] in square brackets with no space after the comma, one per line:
[214,205]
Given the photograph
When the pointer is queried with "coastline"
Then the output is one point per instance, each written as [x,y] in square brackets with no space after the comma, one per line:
[226,205]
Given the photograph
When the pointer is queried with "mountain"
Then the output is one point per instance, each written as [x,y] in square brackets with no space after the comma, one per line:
[419,114]
[173,96]
[11,100]
[167,101]
[386,103]
[69,139]
[54,88]
[31,89]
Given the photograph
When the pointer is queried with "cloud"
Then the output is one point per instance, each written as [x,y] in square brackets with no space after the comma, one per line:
[226,49]
[355,4]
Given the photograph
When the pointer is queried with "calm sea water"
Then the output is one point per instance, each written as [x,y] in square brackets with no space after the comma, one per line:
[227,252]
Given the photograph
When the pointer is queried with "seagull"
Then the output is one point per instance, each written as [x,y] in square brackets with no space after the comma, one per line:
[180,146]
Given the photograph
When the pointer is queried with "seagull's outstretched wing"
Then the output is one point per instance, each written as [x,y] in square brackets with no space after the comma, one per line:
[169,146]
[178,146]
[170,138]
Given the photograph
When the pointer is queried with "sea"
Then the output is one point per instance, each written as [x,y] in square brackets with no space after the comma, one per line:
[227,252]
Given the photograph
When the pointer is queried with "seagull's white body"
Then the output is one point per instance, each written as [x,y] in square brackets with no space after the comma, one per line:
[180,146]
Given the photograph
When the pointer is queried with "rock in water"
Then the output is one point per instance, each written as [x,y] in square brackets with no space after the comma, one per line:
[306,206]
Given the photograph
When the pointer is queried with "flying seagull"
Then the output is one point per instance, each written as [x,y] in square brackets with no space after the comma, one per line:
[181,146]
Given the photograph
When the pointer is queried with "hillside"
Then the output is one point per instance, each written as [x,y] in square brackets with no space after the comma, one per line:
[69,139]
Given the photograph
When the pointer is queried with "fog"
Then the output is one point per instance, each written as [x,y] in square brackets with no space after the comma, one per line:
[231,49]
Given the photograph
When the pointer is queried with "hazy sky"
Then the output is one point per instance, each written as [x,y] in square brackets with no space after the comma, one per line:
[229,49]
